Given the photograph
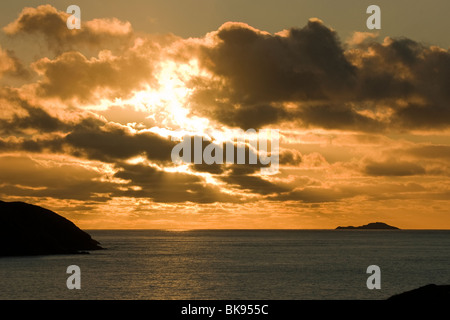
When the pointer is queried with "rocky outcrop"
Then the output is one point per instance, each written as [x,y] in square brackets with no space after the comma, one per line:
[428,292]
[27,229]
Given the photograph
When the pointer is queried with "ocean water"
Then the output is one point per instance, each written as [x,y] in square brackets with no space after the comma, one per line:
[235,264]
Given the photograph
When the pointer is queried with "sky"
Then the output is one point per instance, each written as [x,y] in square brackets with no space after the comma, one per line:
[89,117]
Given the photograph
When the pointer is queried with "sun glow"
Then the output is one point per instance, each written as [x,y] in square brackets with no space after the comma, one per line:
[169,102]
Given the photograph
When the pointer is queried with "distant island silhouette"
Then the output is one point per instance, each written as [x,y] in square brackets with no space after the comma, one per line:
[32,230]
[371,226]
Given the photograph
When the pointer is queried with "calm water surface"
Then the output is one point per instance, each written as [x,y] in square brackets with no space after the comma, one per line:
[236,264]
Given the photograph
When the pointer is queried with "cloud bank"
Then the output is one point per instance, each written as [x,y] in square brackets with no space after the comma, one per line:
[360,121]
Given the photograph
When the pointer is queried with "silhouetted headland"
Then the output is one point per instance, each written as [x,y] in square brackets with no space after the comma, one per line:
[372,226]
[428,292]
[32,230]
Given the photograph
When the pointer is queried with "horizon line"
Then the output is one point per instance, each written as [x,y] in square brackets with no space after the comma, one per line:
[250,229]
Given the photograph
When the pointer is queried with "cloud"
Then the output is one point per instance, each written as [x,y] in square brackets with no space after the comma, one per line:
[353,193]
[252,184]
[10,65]
[51,23]
[252,78]
[20,115]
[315,194]
[336,116]
[128,114]
[305,76]
[95,139]
[160,186]
[23,176]
[27,127]
[305,63]
[104,59]
[301,79]
[290,157]
[72,75]
[258,71]
[439,152]
[393,168]
[407,78]
[360,38]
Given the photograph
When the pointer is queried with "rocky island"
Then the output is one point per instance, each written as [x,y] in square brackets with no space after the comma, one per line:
[371,226]
[27,229]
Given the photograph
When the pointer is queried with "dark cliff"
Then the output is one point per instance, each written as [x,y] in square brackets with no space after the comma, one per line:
[27,229]
[428,292]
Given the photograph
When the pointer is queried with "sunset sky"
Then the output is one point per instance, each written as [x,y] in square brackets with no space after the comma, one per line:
[86,116]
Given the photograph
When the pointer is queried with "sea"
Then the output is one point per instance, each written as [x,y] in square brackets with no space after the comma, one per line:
[235,265]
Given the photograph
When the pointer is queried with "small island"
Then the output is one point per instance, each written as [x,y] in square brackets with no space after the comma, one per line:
[370,226]
[27,229]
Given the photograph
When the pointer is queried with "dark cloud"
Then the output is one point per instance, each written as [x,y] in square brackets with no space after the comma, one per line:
[306,76]
[37,119]
[84,136]
[53,144]
[260,70]
[251,157]
[307,63]
[110,142]
[245,116]
[163,186]
[290,157]
[393,168]
[423,116]
[383,69]
[252,183]
[336,116]
[22,176]
[26,116]
[409,78]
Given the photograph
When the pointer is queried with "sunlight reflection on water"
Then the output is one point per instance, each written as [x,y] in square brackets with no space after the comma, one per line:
[235,264]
